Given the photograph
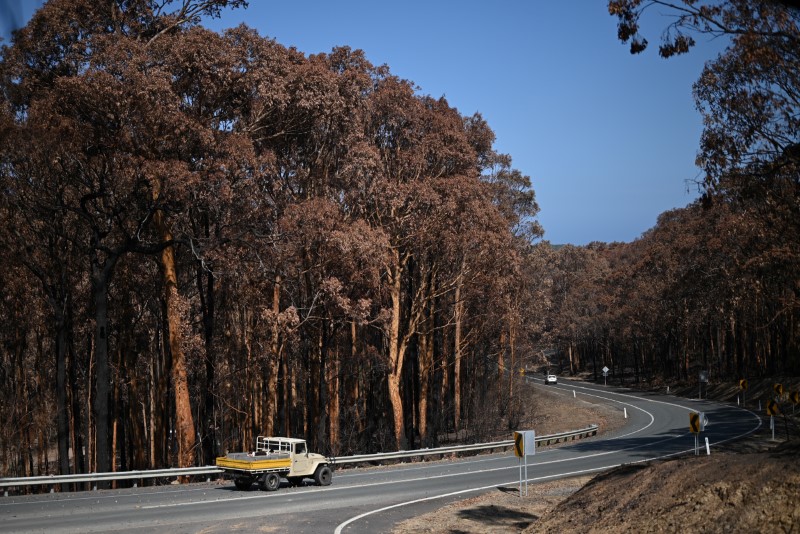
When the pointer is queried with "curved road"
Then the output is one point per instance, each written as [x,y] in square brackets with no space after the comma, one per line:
[373,500]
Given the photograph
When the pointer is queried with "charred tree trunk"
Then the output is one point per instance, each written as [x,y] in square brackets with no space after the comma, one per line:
[333,383]
[206,293]
[457,355]
[101,276]
[76,419]
[425,366]
[271,395]
[62,415]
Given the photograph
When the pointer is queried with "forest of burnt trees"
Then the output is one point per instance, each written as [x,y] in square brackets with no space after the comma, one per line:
[208,237]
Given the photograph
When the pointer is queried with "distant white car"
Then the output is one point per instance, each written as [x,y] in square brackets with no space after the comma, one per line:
[550,379]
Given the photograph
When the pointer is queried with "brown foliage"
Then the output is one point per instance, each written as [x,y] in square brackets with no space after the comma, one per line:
[276,238]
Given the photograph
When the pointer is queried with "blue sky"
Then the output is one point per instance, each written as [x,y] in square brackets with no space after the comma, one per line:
[608,139]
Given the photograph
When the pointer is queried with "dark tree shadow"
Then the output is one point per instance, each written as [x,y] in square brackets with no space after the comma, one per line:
[498,516]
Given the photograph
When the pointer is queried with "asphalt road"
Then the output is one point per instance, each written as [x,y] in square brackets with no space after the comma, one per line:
[374,499]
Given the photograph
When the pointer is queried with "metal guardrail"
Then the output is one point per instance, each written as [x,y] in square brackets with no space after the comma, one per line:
[540,441]
[51,480]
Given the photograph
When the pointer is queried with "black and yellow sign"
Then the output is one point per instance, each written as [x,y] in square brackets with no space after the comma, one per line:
[772,408]
[694,422]
[519,444]
[794,396]
[743,384]
[778,388]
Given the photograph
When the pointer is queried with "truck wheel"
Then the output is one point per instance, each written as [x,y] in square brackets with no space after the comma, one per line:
[323,476]
[270,482]
[243,483]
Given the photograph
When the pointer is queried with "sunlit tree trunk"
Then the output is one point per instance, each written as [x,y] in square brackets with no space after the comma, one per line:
[396,350]
[184,420]
[571,360]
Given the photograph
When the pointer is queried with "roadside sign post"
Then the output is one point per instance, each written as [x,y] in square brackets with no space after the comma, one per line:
[743,387]
[697,423]
[605,375]
[772,411]
[524,446]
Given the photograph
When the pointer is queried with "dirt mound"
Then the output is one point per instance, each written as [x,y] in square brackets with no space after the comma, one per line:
[758,493]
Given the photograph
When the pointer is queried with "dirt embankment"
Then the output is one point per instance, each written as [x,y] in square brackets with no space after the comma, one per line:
[749,486]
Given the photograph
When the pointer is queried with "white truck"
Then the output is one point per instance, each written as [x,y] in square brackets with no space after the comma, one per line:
[273,459]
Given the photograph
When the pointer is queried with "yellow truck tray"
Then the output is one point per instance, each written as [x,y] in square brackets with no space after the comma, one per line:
[247,462]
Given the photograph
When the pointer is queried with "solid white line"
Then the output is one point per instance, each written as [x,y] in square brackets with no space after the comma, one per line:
[98,495]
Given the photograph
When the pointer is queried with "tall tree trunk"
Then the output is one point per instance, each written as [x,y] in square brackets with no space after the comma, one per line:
[271,408]
[184,420]
[137,417]
[458,354]
[206,292]
[396,352]
[75,412]
[287,399]
[62,420]
[353,390]
[319,392]
[512,348]
[333,401]
[425,365]
[571,360]
[101,275]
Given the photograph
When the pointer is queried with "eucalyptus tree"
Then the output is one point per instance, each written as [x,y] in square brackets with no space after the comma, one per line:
[749,97]
[83,73]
